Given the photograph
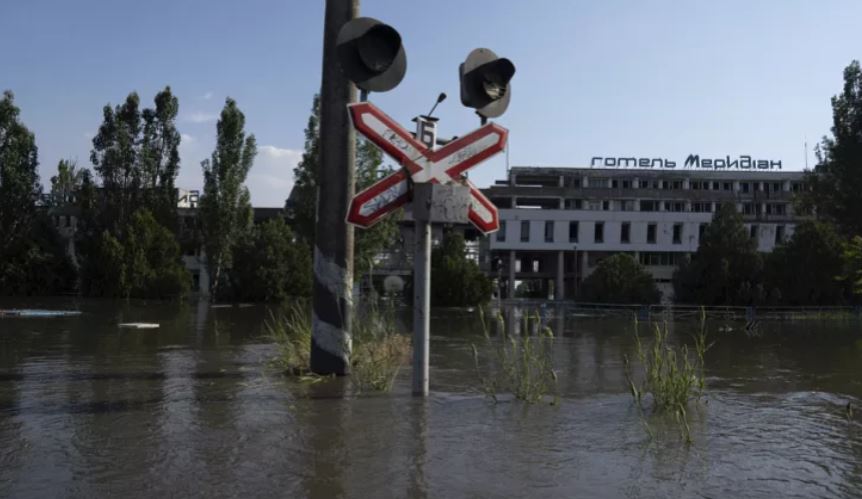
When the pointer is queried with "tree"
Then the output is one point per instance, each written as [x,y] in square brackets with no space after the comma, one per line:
[836,182]
[271,265]
[225,205]
[301,206]
[726,268]
[456,280]
[135,153]
[19,178]
[67,182]
[620,279]
[160,157]
[853,264]
[115,159]
[805,270]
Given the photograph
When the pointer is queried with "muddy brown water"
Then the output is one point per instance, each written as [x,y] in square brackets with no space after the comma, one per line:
[191,409]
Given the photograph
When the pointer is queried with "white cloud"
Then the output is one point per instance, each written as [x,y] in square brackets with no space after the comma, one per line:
[186,138]
[200,117]
[271,176]
[207,96]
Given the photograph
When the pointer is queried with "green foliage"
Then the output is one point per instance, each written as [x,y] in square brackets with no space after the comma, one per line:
[456,280]
[289,327]
[804,270]
[33,260]
[19,179]
[135,153]
[271,265]
[144,262]
[378,351]
[225,205]
[518,364]
[670,375]
[66,183]
[836,182]
[620,279]
[726,269]
[302,205]
[38,263]
[853,264]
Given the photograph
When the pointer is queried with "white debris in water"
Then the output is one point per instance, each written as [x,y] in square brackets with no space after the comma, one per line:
[140,325]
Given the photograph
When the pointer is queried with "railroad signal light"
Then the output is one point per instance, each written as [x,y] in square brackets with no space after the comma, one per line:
[371,54]
[485,82]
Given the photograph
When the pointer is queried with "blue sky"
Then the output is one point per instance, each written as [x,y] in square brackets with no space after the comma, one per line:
[632,78]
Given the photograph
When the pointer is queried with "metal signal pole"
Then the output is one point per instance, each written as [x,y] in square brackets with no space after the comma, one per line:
[333,246]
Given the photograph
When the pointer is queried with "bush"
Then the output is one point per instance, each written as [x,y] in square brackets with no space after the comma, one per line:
[144,262]
[620,279]
[456,280]
[271,265]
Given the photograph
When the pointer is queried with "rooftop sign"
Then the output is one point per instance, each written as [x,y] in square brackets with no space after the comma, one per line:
[743,162]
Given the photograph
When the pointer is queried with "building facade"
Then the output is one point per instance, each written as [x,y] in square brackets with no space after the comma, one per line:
[558,223]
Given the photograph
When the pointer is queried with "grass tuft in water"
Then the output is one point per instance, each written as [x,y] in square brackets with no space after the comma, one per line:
[518,364]
[670,375]
[378,351]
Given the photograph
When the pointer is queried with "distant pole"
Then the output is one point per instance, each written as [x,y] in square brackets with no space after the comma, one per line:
[333,246]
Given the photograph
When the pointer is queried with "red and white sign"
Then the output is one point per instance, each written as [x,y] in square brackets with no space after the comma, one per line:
[423,164]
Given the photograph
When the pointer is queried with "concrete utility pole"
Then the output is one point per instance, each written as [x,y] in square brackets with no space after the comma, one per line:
[333,246]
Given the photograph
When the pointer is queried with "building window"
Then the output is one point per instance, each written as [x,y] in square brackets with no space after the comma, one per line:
[644,184]
[549,231]
[715,185]
[573,204]
[676,206]
[728,186]
[745,187]
[677,185]
[598,182]
[625,232]
[606,205]
[650,233]
[649,205]
[615,183]
[627,184]
[573,231]
[501,234]
[700,230]
[747,208]
[525,231]
[779,234]
[753,231]
[599,232]
[677,233]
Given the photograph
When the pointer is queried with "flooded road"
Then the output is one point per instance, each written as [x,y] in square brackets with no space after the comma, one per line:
[192,409]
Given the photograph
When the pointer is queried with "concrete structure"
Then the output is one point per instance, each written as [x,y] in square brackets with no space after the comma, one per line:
[558,223]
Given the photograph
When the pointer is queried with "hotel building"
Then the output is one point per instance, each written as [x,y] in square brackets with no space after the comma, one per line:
[558,223]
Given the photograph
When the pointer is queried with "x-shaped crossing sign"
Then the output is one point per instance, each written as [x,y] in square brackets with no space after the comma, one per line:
[422,164]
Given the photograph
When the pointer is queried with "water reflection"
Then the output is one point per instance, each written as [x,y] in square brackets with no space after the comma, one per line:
[87,409]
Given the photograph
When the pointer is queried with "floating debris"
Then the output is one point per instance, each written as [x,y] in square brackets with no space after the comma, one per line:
[140,325]
[32,312]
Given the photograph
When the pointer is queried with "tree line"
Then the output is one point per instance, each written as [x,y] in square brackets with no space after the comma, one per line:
[128,240]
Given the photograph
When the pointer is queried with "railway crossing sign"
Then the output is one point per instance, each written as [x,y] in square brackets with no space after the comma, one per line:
[421,163]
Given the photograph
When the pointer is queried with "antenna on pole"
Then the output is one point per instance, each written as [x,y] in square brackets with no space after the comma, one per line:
[805,150]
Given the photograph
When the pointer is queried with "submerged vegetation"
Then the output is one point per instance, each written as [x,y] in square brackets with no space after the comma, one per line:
[518,364]
[672,376]
[378,352]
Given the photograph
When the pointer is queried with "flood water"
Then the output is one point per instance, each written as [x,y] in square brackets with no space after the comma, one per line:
[192,409]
